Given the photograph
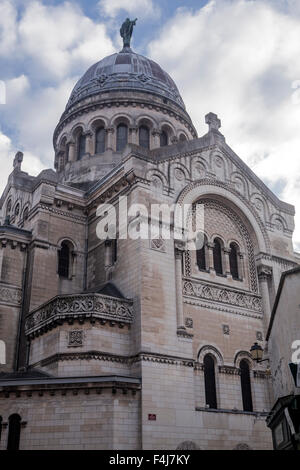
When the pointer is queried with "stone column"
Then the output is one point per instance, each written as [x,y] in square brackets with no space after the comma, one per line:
[133,135]
[241,266]
[110,138]
[178,285]
[227,262]
[264,274]
[156,138]
[210,250]
[71,145]
[89,143]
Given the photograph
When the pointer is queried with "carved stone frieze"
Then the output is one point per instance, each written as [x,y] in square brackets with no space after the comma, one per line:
[79,307]
[224,295]
[10,295]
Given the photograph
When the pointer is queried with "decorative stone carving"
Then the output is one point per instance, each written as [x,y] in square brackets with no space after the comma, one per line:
[158,244]
[156,183]
[189,322]
[187,445]
[75,338]
[259,336]
[10,295]
[264,272]
[211,292]
[226,329]
[78,307]
[230,370]
[242,446]
[179,175]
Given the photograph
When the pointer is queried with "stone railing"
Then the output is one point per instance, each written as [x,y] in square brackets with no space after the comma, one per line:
[79,307]
[212,293]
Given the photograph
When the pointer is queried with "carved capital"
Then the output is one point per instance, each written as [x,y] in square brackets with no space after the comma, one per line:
[110,130]
[264,272]
[155,132]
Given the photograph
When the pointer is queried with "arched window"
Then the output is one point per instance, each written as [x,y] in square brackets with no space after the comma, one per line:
[144,137]
[25,213]
[81,146]
[201,255]
[67,152]
[210,381]
[182,138]
[246,385]
[217,254]
[100,140]
[64,258]
[114,250]
[8,207]
[17,209]
[163,139]
[122,137]
[14,431]
[233,261]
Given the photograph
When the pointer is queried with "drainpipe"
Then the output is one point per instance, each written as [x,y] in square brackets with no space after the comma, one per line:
[22,310]
[86,255]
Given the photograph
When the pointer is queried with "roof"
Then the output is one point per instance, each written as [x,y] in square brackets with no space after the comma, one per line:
[280,287]
[24,375]
[126,70]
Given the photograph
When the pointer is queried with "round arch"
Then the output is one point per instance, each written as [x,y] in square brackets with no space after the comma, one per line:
[213,351]
[207,187]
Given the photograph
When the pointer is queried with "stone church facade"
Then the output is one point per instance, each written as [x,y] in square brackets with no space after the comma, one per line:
[136,343]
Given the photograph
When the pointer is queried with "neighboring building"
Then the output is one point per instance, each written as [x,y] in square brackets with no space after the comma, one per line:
[136,344]
[283,339]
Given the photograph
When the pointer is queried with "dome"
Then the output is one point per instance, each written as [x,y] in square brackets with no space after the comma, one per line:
[128,71]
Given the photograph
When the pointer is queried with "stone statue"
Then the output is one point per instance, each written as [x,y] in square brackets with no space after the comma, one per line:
[126,31]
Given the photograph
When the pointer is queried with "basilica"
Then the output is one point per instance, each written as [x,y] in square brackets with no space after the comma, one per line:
[135,343]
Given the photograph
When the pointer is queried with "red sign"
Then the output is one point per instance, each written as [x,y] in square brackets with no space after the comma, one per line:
[151,417]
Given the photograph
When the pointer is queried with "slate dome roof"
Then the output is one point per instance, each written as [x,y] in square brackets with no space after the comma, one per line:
[126,70]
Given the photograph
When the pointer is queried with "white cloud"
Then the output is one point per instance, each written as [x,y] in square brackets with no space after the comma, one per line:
[6,162]
[239,59]
[8,16]
[60,39]
[53,46]
[112,8]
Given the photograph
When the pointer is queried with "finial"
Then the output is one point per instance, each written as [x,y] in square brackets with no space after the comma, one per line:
[18,160]
[213,122]
[126,32]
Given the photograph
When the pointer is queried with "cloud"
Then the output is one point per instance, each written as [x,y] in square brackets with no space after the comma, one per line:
[146,8]
[8,17]
[60,40]
[52,46]
[239,59]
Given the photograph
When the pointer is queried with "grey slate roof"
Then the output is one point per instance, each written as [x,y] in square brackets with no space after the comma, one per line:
[126,70]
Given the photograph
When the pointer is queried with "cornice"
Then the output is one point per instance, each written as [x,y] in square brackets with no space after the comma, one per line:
[86,107]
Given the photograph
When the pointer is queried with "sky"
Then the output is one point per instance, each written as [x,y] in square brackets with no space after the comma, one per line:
[237,58]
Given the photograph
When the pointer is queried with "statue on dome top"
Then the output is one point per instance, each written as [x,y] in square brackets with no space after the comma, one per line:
[126,31]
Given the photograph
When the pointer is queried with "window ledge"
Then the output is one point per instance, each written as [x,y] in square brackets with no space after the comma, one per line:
[234,411]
